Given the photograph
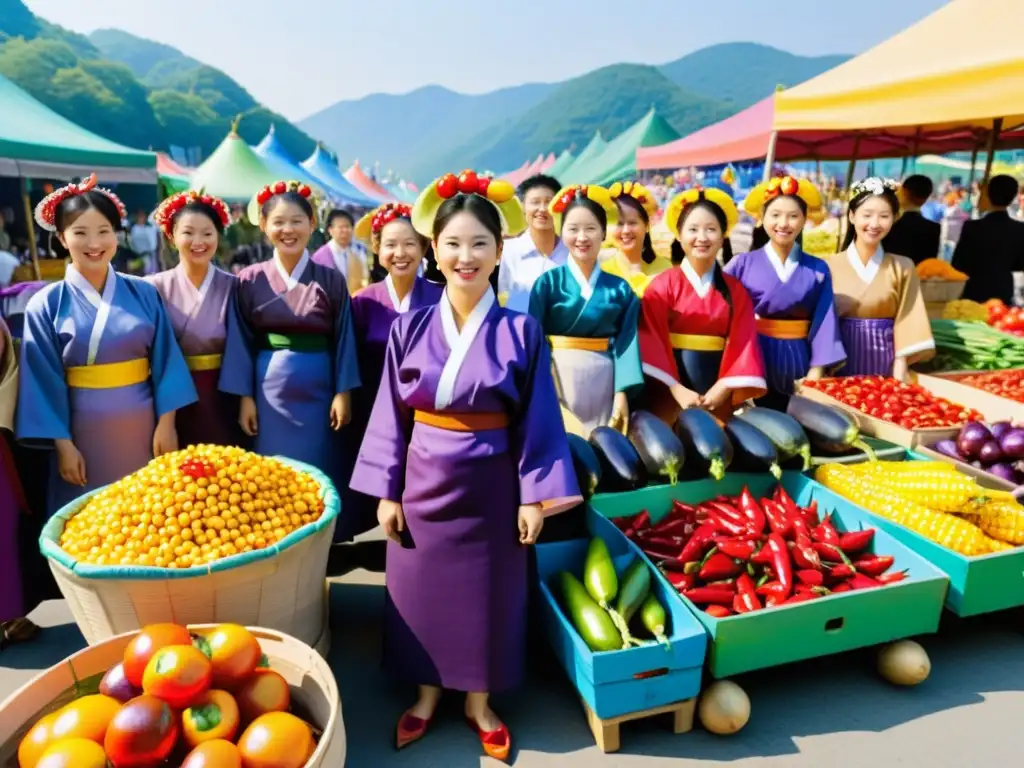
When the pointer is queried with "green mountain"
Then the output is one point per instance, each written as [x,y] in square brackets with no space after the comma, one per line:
[153,63]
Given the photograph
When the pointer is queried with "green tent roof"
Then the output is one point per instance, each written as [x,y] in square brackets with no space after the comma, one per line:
[233,172]
[36,141]
[618,161]
[592,150]
[564,161]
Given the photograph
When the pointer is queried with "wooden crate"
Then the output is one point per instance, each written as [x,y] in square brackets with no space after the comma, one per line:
[607,733]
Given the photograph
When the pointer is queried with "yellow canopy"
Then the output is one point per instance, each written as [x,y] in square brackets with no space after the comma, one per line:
[960,67]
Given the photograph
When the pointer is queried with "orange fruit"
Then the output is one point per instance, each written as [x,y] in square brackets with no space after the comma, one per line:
[73,753]
[266,691]
[214,754]
[276,740]
[86,718]
[235,654]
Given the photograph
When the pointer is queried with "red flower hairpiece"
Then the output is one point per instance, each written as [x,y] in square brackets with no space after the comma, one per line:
[467,182]
[387,213]
[46,211]
[280,187]
[171,207]
[570,194]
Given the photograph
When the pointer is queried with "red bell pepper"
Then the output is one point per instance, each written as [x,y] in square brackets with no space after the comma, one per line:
[825,532]
[891,578]
[698,543]
[804,553]
[719,595]
[741,549]
[856,541]
[874,565]
[719,566]
[861,581]
[718,611]
[746,599]
[781,563]
[752,511]
[810,577]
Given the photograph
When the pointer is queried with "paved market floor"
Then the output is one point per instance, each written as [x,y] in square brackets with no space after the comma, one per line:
[833,712]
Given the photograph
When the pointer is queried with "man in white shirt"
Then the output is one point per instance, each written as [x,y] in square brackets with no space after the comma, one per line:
[343,251]
[539,249]
[144,239]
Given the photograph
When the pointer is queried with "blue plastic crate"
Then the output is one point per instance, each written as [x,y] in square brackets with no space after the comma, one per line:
[615,683]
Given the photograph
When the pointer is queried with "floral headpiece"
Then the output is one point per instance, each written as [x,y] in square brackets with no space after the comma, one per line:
[46,211]
[496,191]
[280,188]
[873,185]
[172,206]
[682,201]
[374,221]
[597,194]
[785,186]
[637,191]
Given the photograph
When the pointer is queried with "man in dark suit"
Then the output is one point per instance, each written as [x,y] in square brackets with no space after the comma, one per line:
[913,235]
[991,248]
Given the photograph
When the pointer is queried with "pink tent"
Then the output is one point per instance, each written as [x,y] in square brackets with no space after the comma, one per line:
[745,136]
[514,177]
[548,162]
[165,166]
[358,179]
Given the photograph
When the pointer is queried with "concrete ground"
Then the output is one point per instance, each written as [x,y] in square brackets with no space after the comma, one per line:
[834,712]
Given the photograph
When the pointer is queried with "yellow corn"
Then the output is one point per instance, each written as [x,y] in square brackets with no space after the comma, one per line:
[999,546]
[863,490]
[1002,520]
[932,486]
[903,467]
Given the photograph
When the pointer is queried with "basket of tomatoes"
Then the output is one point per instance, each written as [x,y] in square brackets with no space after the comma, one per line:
[208,696]
[203,535]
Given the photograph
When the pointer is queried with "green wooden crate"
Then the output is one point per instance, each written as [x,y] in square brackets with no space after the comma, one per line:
[830,625]
[883,450]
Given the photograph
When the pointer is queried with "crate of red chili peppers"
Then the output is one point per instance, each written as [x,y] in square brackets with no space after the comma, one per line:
[775,572]
[903,413]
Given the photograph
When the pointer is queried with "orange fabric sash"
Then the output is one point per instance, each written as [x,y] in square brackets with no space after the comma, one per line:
[463,422]
[578,342]
[783,329]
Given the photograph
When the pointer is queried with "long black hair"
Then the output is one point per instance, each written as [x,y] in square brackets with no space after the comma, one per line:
[647,250]
[678,256]
[889,195]
[71,208]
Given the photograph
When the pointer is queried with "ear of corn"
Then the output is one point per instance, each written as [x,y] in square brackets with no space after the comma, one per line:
[864,490]
[930,486]
[1002,520]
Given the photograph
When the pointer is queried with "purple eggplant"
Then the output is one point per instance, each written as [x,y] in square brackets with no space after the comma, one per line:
[990,453]
[999,429]
[971,438]
[948,448]
[1003,471]
[1012,443]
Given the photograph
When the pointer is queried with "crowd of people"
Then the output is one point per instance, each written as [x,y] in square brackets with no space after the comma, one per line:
[434,377]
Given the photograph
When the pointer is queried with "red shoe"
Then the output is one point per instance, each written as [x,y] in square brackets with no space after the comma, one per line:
[496,743]
[410,729]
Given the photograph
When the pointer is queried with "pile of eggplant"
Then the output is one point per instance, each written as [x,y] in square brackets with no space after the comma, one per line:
[997,449]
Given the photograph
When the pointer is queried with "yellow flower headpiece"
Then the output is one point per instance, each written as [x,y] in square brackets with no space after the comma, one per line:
[684,200]
[597,194]
[496,191]
[767,191]
[375,220]
[637,191]
[279,188]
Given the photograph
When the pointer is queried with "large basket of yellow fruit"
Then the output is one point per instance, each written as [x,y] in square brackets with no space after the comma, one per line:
[204,535]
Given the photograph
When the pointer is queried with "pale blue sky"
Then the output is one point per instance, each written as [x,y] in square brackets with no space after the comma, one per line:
[298,57]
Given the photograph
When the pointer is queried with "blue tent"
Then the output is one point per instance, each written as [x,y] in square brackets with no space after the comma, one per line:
[321,167]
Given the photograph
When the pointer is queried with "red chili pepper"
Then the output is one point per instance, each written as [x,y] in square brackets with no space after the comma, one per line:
[697,544]
[840,588]
[891,578]
[810,512]
[841,571]
[874,565]
[709,595]
[624,524]
[773,600]
[718,611]
[788,505]
[801,528]
[682,511]
[810,577]
[801,597]
[746,599]
[725,525]
[640,521]
[856,541]
[752,511]
[831,552]
[804,554]
[780,562]
[657,554]
[719,566]
[861,581]
[802,589]
[672,565]
[771,588]
[825,532]
[762,556]
[676,527]
[681,580]
[741,549]
[778,522]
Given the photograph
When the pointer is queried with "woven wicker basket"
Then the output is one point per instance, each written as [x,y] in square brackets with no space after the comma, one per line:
[941,291]
[283,587]
[313,689]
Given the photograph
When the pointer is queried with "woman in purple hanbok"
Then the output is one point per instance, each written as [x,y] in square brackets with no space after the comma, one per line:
[797,326]
[399,249]
[467,452]
[196,295]
[101,374]
[290,352]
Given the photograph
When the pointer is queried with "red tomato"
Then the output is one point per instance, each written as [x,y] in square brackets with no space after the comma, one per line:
[178,674]
[150,640]
[142,734]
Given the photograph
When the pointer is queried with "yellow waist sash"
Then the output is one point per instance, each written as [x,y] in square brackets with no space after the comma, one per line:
[696,343]
[462,422]
[578,342]
[204,362]
[783,329]
[108,375]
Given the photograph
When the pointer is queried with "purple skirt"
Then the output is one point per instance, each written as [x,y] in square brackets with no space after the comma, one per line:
[213,418]
[870,346]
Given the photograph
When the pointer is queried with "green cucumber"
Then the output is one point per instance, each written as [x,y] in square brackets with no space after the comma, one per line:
[593,622]
[599,575]
[654,618]
[636,585]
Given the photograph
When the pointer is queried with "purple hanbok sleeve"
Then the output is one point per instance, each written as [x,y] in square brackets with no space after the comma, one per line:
[380,469]
[173,387]
[238,368]
[546,474]
[346,361]
[826,342]
[44,406]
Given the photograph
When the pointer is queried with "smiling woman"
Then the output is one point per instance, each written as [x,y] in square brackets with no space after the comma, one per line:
[634,259]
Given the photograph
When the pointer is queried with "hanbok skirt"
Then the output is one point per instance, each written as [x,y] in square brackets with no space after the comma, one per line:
[587,380]
[358,511]
[213,418]
[456,607]
[698,371]
[870,346]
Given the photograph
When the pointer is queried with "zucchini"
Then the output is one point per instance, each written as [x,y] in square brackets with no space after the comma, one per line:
[622,469]
[636,584]
[599,575]
[829,429]
[586,465]
[593,622]
[659,448]
[655,620]
[783,430]
[754,452]
[704,441]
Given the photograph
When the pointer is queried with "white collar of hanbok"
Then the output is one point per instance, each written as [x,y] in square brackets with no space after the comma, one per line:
[866,272]
[101,302]
[459,343]
[784,268]
[204,287]
[701,283]
[586,285]
[401,305]
[340,256]
[291,280]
